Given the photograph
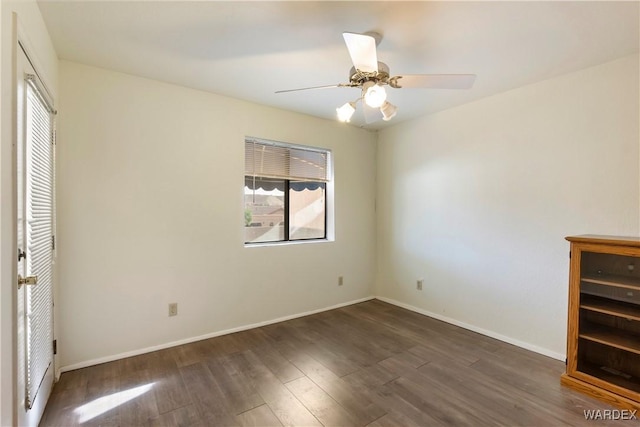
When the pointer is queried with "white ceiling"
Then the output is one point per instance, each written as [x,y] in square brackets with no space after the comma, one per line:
[249,50]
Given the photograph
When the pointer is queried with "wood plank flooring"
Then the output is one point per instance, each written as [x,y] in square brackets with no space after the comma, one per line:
[369,364]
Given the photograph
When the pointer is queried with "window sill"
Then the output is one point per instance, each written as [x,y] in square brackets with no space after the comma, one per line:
[289,243]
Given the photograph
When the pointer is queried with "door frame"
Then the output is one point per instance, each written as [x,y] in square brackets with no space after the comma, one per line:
[20,42]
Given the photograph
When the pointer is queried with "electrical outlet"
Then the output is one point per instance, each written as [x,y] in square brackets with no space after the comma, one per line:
[173,309]
[340,280]
[419,284]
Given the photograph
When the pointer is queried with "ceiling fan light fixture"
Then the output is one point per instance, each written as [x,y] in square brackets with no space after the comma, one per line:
[374,94]
[388,111]
[346,112]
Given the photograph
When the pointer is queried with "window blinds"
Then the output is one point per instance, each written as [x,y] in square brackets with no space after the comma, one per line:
[39,210]
[269,159]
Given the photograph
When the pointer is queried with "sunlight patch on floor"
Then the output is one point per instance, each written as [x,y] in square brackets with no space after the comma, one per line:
[103,404]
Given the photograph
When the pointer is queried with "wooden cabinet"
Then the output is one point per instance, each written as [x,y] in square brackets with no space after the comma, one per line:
[603,336]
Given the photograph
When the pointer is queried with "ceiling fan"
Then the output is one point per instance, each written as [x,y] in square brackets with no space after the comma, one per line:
[371,76]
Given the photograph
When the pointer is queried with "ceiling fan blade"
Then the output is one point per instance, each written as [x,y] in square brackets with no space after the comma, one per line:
[362,49]
[434,81]
[371,114]
[313,87]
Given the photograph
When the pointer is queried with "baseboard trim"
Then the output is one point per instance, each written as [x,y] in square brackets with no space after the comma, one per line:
[492,334]
[113,357]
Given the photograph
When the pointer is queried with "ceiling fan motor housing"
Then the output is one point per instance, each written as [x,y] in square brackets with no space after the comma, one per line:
[359,78]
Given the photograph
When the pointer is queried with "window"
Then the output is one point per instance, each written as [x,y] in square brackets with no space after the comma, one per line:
[285,190]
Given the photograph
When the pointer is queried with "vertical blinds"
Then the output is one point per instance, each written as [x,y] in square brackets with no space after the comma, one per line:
[269,159]
[39,212]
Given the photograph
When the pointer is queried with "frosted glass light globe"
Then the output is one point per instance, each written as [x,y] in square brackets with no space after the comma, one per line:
[374,95]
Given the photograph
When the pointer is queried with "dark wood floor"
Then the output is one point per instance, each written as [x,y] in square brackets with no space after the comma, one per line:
[369,364]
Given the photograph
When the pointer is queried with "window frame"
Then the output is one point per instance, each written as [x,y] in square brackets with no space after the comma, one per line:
[324,184]
[288,211]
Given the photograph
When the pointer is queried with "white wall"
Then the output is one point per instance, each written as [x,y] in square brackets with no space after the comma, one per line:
[477,200]
[150,211]
[41,51]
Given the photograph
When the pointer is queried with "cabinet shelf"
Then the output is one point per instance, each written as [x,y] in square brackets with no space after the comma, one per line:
[613,280]
[612,337]
[610,307]
[628,382]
